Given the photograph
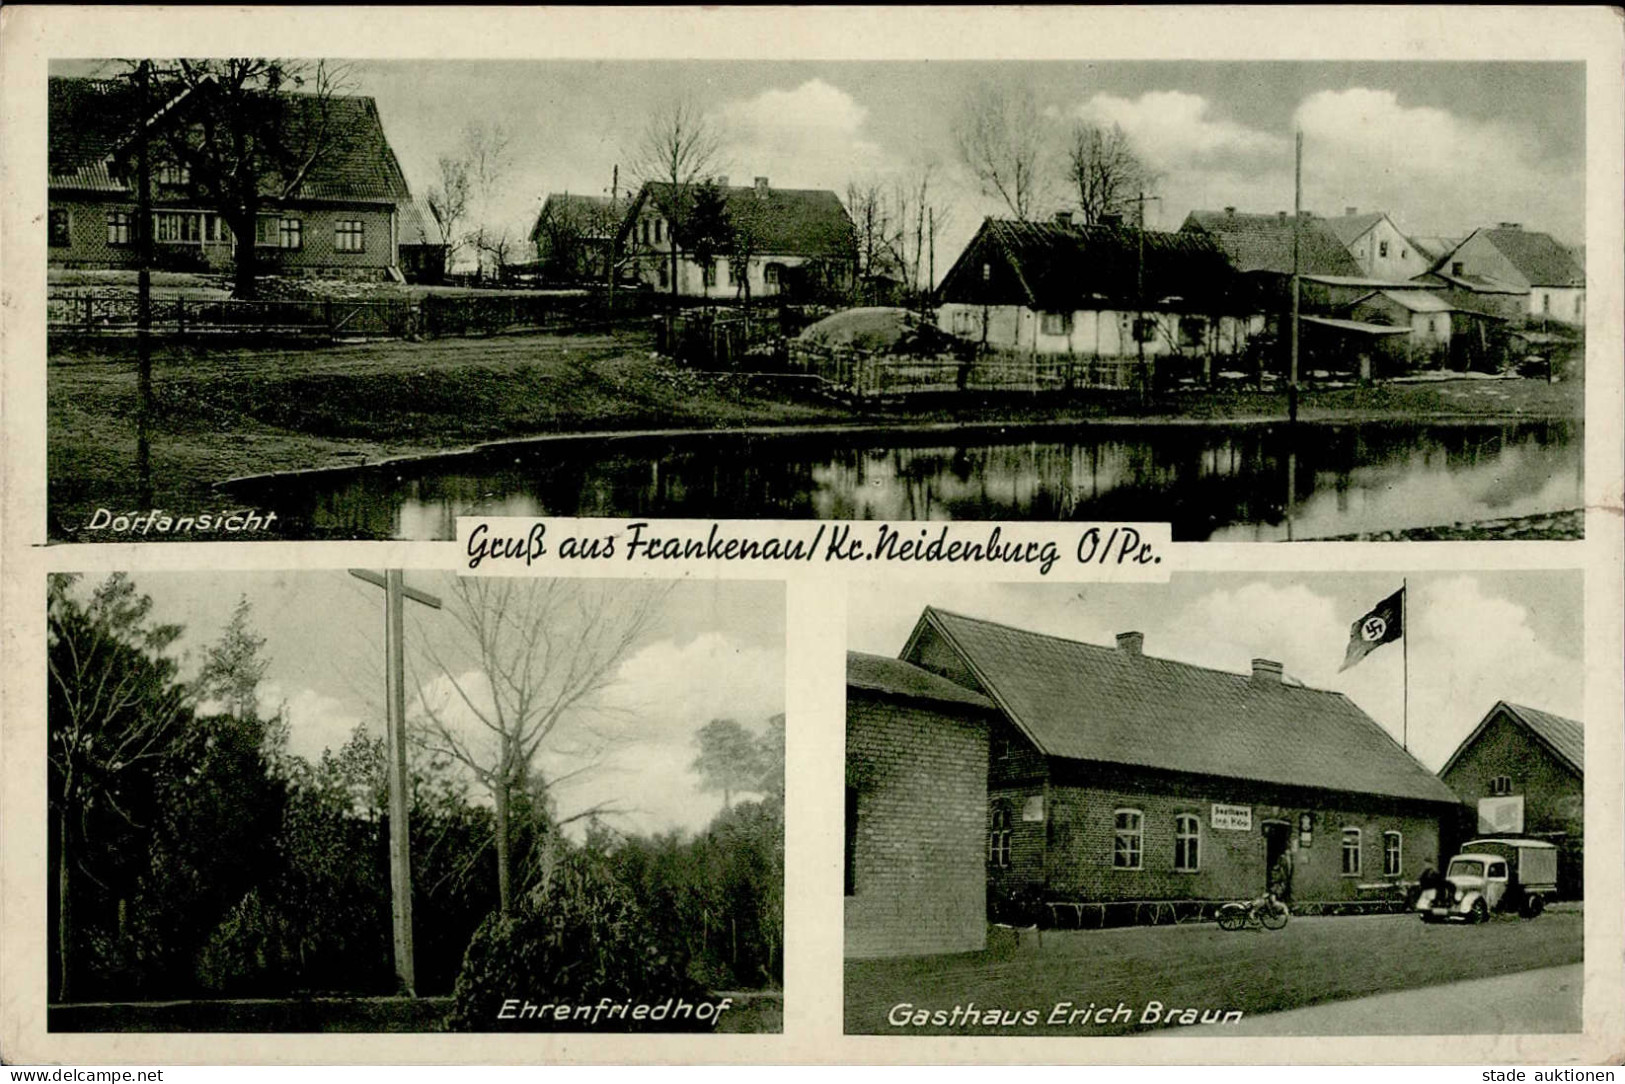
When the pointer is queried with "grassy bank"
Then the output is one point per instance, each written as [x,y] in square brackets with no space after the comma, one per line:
[222,413]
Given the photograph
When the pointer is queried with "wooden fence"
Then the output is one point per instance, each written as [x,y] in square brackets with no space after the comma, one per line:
[865,374]
[734,337]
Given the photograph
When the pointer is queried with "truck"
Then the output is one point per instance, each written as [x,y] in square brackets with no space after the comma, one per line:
[1498,875]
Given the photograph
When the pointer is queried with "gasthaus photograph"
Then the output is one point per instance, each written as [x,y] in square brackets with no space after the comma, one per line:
[356,299]
[1217,806]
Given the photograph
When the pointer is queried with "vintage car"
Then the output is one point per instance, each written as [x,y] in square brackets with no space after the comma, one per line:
[1503,874]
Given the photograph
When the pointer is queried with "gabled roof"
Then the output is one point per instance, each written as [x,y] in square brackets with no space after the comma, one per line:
[1350,228]
[1537,256]
[791,221]
[596,214]
[1564,737]
[419,226]
[1060,267]
[1264,243]
[1414,300]
[894,677]
[1478,284]
[1080,701]
[91,119]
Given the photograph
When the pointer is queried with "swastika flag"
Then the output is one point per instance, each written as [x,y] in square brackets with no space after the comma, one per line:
[1385,623]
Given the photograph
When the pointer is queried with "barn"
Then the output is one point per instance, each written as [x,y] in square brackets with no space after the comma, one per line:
[1522,771]
[1117,777]
[916,788]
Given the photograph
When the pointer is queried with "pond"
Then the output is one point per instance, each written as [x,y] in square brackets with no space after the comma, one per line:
[1212,482]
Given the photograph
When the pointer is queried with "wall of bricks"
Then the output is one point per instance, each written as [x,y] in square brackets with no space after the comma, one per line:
[919,849]
[1070,855]
[1553,796]
[88,246]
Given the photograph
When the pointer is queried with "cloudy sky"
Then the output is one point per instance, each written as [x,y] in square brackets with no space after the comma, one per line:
[714,650]
[1474,639]
[1442,146]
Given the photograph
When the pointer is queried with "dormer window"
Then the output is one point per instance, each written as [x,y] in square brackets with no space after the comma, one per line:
[171,173]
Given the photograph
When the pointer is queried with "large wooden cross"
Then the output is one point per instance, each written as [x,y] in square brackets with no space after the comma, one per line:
[400,795]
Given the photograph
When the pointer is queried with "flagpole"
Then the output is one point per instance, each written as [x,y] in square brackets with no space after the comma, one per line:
[1405,648]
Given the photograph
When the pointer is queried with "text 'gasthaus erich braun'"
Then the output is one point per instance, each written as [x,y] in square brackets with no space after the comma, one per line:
[1061,1014]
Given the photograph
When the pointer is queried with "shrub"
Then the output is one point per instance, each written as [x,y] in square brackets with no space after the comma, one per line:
[576,938]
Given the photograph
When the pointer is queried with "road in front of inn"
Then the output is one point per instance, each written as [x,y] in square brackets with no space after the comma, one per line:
[1145,976]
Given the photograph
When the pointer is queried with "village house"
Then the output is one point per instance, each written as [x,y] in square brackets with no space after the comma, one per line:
[423,244]
[1551,283]
[574,236]
[802,243]
[1094,291]
[1378,246]
[342,217]
[1522,772]
[916,789]
[1441,332]
[1117,776]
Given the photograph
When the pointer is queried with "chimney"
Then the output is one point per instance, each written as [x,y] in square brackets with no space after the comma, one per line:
[1266,672]
[1511,226]
[1063,218]
[1229,212]
[761,186]
[1350,212]
[1131,643]
[1280,215]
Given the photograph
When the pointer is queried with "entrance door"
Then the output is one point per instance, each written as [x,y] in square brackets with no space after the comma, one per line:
[1277,838]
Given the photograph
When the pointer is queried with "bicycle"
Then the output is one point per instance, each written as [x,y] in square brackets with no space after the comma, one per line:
[1266,911]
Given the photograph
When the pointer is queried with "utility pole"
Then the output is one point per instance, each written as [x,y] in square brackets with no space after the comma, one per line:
[1139,291]
[1297,229]
[614,225]
[143,289]
[931,275]
[396,593]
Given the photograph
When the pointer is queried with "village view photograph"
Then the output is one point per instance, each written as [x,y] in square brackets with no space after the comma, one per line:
[452,804]
[320,299]
[1234,804]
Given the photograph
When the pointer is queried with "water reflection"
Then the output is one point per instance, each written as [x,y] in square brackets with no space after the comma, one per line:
[1225,483]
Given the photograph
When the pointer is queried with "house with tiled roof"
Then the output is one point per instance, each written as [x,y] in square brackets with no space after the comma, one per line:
[1528,261]
[1114,775]
[1261,244]
[1380,248]
[1522,771]
[916,791]
[340,212]
[802,244]
[1442,331]
[1098,291]
[574,235]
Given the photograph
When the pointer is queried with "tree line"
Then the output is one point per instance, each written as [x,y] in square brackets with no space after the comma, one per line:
[194,855]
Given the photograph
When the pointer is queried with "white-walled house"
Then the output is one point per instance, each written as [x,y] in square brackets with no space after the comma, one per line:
[803,239]
[1378,246]
[1526,260]
[1057,288]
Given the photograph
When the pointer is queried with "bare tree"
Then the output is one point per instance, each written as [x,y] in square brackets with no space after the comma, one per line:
[486,155]
[866,205]
[918,213]
[999,134]
[1103,170]
[526,677]
[679,146]
[448,200]
[245,140]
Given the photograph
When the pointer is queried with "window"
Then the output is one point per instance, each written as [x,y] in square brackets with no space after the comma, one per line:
[1351,852]
[658,223]
[733,272]
[708,274]
[177,227]
[1057,323]
[1546,303]
[350,235]
[661,268]
[1496,870]
[290,234]
[1579,305]
[1404,253]
[1382,249]
[57,228]
[1433,325]
[851,838]
[770,274]
[118,227]
[1455,268]
[1501,785]
[1393,854]
[1193,332]
[173,173]
[645,230]
[998,837]
[1127,840]
[1187,843]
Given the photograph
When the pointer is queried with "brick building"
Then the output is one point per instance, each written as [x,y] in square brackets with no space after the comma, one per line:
[916,791]
[1522,771]
[341,215]
[1114,775]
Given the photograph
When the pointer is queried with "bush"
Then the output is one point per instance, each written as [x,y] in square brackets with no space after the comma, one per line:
[578,937]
